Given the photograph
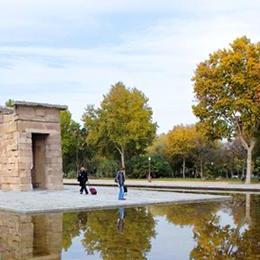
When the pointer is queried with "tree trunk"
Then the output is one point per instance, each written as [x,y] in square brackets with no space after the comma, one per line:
[249,148]
[122,159]
[243,169]
[248,166]
[122,154]
[249,161]
[183,168]
[231,173]
[227,173]
[201,169]
[248,209]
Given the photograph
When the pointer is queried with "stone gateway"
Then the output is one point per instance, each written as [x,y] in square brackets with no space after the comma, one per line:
[30,147]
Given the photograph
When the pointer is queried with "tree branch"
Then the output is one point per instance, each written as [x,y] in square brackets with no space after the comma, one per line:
[119,150]
[240,134]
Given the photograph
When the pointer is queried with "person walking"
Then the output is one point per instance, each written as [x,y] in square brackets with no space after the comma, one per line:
[83,178]
[120,180]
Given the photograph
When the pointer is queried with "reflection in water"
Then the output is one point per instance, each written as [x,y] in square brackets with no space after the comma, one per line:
[227,230]
[110,233]
[29,237]
[238,240]
[120,220]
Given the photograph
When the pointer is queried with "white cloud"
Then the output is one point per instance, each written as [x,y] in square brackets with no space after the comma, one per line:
[159,60]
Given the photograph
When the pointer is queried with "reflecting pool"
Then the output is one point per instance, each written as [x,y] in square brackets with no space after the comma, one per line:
[212,230]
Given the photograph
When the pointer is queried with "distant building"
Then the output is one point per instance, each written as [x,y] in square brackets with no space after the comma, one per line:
[30,147]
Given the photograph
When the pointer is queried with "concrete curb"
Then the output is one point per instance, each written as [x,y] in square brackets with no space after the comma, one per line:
[176,187]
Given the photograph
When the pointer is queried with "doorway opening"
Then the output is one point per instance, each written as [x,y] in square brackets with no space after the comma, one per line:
[38,171]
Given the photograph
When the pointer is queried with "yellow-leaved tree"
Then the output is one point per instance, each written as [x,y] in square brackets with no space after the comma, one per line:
[227,88]
[181,141]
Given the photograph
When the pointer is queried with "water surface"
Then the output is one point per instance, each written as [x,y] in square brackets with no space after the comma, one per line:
[210,230]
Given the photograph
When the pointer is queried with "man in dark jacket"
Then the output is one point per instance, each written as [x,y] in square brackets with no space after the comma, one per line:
[120,179]
[83,178]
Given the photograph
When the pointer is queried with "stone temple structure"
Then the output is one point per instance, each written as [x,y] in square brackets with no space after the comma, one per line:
[30,147]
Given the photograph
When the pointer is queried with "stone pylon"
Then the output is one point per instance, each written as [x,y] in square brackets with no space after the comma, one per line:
[30,147]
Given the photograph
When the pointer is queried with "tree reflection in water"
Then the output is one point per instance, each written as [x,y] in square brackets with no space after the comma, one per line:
[111,233]
[215,240]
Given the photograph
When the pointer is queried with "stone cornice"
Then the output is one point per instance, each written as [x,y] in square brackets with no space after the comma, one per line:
[34,104]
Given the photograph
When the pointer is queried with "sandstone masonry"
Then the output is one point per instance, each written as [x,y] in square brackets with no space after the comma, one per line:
[30,237]
[30,147]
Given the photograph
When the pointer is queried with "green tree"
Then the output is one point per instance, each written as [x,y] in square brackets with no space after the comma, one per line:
[75,150]
[69,141]
[227,89]
[105,167]
[138,166]
[9,103]
[122,123]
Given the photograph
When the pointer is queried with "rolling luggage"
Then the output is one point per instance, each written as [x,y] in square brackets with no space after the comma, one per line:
[93,191]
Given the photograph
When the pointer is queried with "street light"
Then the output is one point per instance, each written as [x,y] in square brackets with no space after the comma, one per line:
[149,172]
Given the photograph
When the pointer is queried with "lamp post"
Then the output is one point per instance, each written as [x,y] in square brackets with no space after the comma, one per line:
[149,171]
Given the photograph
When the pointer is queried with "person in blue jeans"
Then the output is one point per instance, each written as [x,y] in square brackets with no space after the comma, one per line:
[120,179]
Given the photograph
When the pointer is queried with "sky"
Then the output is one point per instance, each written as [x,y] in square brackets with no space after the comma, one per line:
[71,51]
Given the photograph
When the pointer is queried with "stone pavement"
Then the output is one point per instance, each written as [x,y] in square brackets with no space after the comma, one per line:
[190,185]
[69,199]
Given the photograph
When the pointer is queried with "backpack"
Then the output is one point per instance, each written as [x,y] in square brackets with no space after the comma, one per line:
[79,178]
[116,178]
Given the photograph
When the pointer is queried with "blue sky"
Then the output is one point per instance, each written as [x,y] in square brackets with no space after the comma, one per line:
[71,51]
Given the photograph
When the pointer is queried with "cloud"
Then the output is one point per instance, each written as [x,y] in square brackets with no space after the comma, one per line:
[158,59]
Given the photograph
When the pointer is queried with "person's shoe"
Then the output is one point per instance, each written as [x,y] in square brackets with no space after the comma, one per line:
[80,192]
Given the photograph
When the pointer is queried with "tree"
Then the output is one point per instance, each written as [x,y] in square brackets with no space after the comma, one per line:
[9,103]
[235,154]
[139,166]
[227,90]
[158,146]
[202,151]
[75,150]
[180,142]
[69,142]
[122,123]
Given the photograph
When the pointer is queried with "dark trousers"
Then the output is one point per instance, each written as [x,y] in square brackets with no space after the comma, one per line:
[83,188]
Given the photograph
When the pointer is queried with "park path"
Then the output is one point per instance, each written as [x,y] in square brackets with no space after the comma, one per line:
[190,185]
[69,199]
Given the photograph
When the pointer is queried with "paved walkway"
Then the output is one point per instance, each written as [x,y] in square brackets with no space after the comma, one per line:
[196,185]
[70,200]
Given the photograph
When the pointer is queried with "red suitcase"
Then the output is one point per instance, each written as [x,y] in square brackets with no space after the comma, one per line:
[93,191]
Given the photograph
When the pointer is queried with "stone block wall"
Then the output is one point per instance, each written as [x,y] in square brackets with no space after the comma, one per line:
[16,236]
[16,152]
[30,237]
[9,164]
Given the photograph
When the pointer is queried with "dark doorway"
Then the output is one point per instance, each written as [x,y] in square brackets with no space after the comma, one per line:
[40,235]
[38,171]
